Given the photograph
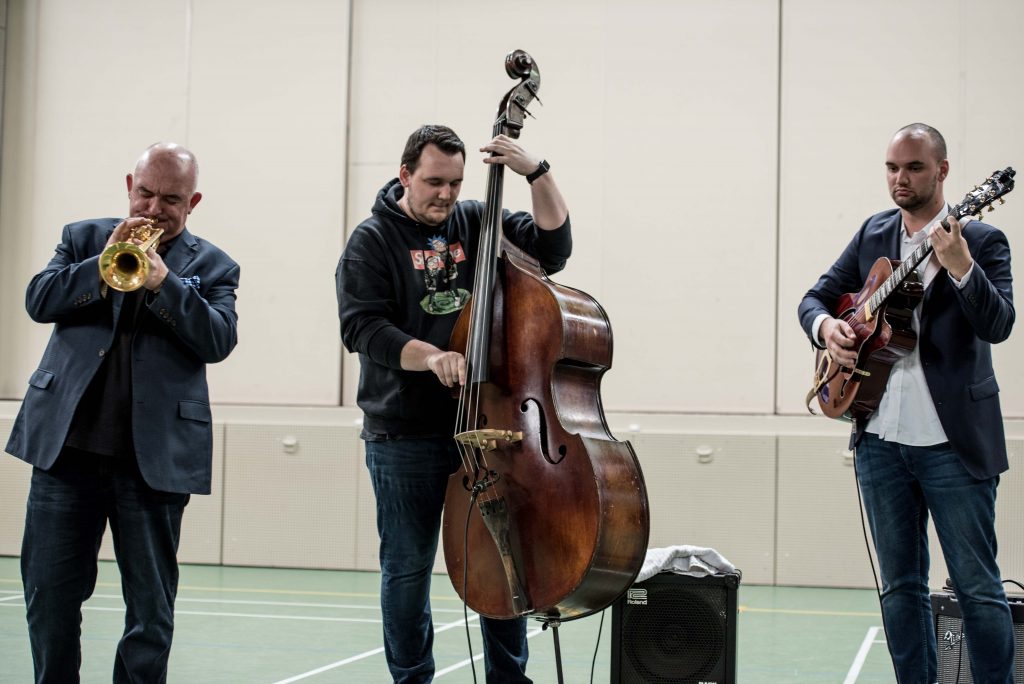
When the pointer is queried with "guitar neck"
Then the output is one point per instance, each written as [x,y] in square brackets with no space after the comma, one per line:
[908,266]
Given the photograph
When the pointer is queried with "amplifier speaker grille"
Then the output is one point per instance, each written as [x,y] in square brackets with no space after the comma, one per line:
[676,629]
[953,649]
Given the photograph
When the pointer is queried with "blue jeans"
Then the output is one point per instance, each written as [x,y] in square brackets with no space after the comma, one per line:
[68,508]
[901,485]
[409,479]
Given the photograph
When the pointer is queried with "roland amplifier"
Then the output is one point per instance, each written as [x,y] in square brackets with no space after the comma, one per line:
[676,629]
[953,648]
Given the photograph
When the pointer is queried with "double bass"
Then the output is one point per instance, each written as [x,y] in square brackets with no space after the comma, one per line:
[548,516]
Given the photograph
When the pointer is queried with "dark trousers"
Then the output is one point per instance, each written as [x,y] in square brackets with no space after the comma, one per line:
[409,478]
[902,487]
[68,508]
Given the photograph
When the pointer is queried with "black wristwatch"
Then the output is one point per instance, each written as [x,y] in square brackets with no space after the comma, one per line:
[541,169]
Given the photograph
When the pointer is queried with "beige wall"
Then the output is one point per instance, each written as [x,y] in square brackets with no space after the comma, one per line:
[258,91]
[716,158]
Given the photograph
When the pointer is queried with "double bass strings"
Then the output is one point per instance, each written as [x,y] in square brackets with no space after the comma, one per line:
[474,457]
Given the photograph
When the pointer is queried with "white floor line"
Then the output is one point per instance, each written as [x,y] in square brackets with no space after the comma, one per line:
[366,654]
[249,602]
[213,613]
[325,668]
[461,664]
[862,654]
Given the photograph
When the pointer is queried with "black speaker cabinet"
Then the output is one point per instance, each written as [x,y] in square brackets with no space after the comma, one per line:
[676,629]
[953,649]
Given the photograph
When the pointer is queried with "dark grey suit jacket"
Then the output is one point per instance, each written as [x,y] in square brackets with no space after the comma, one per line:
[191,322]
[958,327]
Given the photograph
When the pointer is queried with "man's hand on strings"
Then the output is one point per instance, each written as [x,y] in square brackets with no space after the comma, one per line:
[840,341]
[951,248]
[449,367]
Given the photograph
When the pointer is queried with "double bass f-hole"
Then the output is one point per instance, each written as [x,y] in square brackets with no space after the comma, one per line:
[541,431]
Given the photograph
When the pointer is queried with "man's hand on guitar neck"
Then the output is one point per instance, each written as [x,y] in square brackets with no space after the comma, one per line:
[840,340]
[951,248]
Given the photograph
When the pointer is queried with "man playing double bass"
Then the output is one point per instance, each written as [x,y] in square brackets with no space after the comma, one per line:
[404,276]
[935,445]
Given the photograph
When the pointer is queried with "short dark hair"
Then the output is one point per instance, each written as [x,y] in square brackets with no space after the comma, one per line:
[936,139]
[431,134]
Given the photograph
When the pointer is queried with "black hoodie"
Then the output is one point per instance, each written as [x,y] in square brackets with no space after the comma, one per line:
[398,280]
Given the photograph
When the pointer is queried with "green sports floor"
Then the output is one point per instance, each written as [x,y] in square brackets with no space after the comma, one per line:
[282,625]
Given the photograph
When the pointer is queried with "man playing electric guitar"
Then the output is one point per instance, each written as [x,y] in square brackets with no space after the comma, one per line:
[935,444]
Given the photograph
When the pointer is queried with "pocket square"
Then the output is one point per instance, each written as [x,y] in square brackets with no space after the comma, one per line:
[191,281]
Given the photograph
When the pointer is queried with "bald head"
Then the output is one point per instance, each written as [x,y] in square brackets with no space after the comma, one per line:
[163,187]
[176,158]
[935,140]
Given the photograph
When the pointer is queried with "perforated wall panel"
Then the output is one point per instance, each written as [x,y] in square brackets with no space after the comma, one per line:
[291,495]
[820,538]
[714,491]
[15,475]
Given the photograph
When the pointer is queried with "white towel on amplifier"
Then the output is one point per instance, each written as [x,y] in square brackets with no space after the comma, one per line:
[696,561]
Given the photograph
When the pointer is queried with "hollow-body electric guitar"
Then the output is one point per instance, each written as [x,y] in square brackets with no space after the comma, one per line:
[880,315]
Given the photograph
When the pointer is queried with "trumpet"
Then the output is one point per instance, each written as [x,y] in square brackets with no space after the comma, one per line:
[123,265]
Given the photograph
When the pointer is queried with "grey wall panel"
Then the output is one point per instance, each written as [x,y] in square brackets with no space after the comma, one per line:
[366,540]
[290,495]
[15,475]
[713,491]
[821,542]
[1010,515]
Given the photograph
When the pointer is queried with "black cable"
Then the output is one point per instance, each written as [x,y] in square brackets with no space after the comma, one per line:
[597,646]
[960,650]
[465,582]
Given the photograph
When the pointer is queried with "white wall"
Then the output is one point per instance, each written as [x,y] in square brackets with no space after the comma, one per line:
[258,90]
[716,158]
[852,74]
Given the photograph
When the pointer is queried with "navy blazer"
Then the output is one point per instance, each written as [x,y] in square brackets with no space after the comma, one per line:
[958,327]
[191,322]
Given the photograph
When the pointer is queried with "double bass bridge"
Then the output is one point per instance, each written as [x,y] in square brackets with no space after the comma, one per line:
[487,440]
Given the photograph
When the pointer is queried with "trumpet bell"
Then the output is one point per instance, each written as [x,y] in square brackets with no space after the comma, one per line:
[124,267]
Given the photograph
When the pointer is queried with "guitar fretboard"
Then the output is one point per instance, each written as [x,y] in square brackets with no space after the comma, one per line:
[997,185]
[900,274]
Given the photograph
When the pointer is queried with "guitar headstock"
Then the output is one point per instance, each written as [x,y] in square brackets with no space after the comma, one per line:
[993,188]
[513,111]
